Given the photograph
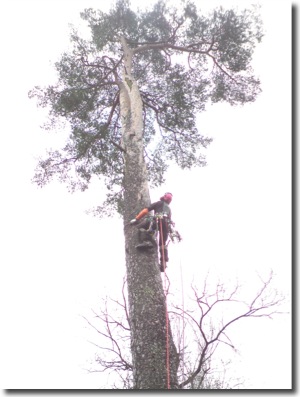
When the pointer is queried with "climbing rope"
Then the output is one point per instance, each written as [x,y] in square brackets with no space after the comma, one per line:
[166,308]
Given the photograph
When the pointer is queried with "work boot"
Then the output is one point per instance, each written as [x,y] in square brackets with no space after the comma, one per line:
[144,234]
[147,235]
[152,238]
[144,245]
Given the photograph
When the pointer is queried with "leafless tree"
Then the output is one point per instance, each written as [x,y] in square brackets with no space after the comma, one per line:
[113,329]
[211,317]
[212,311]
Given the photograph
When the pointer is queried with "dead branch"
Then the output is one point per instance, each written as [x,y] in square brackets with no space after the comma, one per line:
[262,305]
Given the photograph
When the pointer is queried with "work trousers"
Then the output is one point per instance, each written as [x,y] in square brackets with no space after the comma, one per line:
[161,226]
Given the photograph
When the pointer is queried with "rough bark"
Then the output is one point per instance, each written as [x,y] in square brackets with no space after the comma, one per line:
[146,297]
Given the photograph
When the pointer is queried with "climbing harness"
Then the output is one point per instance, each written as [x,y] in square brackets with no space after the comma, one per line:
[174,234]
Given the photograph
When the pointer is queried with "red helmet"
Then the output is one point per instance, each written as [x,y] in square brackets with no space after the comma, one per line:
[167,197]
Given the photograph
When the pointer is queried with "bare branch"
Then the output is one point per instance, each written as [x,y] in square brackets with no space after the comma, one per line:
[258,307]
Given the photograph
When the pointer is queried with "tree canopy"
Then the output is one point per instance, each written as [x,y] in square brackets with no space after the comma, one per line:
[181,60]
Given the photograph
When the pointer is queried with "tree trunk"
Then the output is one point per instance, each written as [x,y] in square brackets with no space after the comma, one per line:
[147,309]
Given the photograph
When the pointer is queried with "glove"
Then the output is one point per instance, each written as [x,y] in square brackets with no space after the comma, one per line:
[133,221]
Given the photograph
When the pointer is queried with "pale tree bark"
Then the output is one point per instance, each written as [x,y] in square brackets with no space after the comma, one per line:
[147,309]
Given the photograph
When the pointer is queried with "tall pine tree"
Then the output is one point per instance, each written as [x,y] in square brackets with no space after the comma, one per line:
[130,95]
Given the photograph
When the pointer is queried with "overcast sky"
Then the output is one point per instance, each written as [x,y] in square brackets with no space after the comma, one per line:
[57,262]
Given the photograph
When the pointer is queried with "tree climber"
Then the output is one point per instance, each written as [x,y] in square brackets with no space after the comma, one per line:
[161,222]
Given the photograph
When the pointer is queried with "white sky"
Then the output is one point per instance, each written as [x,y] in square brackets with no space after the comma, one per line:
[57,262]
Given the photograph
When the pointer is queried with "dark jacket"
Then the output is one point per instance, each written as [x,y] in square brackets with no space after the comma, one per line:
[160,207]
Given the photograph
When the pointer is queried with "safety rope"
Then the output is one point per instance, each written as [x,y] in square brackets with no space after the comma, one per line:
[167,322]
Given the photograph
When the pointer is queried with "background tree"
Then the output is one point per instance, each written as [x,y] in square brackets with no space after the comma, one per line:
[201,329]
[130,95]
